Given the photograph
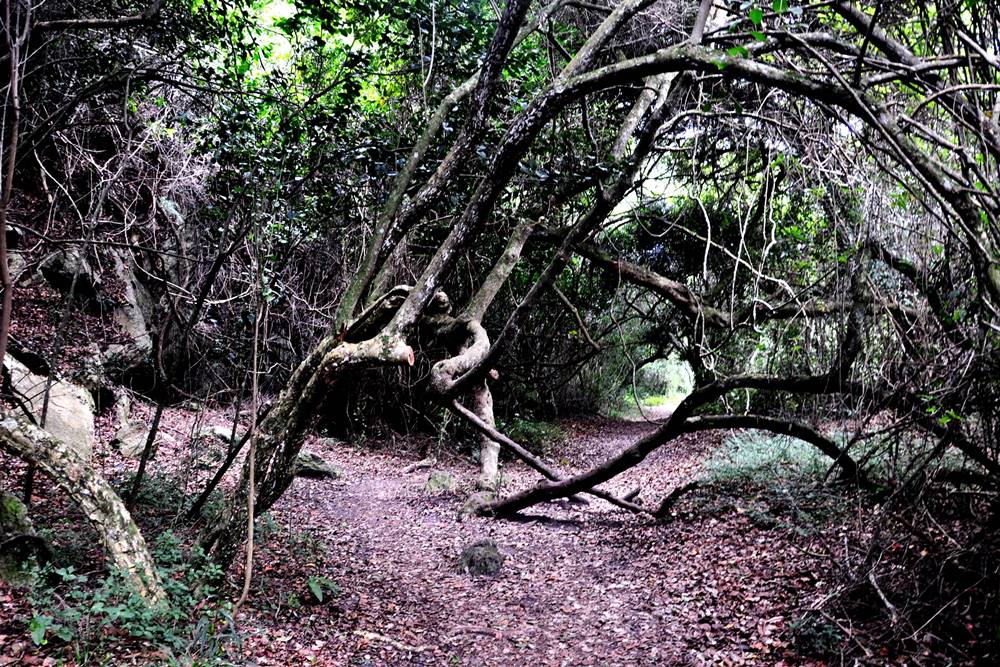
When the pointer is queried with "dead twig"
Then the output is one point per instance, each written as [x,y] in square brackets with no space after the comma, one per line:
[420,465]
[893,613]
[396,644]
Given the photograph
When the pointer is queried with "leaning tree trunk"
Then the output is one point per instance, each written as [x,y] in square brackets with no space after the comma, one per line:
[284,430]
[102,506]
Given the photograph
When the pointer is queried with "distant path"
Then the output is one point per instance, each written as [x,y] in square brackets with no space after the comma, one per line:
[580,586]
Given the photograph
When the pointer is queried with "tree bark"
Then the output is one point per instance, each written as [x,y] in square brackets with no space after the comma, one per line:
[282,432]
[104,509]
[489,449]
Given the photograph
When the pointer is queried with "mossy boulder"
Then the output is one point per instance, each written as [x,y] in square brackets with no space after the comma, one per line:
[13,515]
[440,481]
[477,500]
[18,541]
[481,559]
[312,465]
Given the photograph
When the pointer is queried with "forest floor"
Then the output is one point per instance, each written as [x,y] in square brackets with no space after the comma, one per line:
[580,585]
[722,581]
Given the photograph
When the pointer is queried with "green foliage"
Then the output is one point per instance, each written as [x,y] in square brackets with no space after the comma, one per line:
[536,436]
[191,626]
[763,457]
[320,586]
[664,382]
[265,526]
[815,636]
[159,491]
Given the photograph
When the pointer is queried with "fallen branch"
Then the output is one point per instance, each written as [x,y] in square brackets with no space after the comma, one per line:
[420,465]
[893,613]
[472,630]
[533,461]
[668,503]
[396,644]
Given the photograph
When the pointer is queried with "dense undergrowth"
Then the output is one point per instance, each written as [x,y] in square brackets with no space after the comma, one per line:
[95,621]
[910,557]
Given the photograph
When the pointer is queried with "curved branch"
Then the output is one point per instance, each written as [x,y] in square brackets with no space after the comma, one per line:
[798,430]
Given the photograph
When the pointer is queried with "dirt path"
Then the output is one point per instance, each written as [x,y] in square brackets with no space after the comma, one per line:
[580,586]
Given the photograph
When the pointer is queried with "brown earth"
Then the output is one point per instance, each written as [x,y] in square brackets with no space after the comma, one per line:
[581,585]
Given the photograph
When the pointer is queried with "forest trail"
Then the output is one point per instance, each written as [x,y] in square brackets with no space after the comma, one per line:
[580,585]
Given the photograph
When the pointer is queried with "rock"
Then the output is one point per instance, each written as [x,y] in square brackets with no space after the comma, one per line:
[122,294]
[15,263]
[13,516]
[35,363]
[130,439]
[312,465]
[18,541]
[91,376]
[132,434]
[132,315]
[123,408]
[67,269]
[475,501]
[70,413]
[440,481]
[131,309]
[217,432]
[481,559]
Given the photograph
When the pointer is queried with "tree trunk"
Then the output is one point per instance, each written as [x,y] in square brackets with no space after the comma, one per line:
[281,434]
[104,509]
[489,449]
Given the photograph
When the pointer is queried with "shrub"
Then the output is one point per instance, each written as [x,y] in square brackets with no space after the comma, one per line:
[190,627]
[160,491]
[760,456]
[536,436]
[813,635]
